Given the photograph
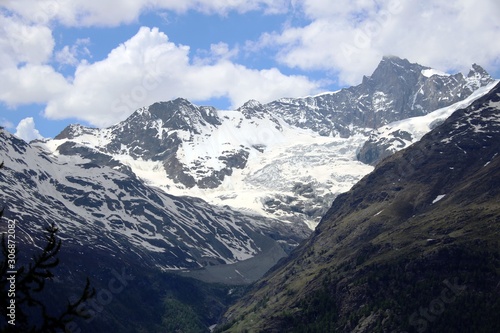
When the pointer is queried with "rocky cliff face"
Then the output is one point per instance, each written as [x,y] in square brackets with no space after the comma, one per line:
[396,90]
[423,225]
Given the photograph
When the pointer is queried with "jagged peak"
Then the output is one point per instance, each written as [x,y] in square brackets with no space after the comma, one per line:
[180,100]
[180,113]
[476,70]
[390,57]
[252,108]
[73,130]
[478,77]
[165,110]
[250,104]
[177,102]
[392,66]
[394,61]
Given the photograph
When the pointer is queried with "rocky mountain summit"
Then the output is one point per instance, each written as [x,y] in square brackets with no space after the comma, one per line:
[396,90]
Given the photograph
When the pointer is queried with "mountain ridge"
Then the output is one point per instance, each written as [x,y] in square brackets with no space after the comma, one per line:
[262,149]
[395,80]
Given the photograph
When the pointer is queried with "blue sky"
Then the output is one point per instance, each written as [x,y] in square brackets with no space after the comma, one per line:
[95,63]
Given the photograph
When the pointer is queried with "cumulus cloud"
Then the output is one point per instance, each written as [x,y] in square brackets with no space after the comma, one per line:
[148,68]
[25,50]
[26,130]
[31,84]
[22,42]
[349,38]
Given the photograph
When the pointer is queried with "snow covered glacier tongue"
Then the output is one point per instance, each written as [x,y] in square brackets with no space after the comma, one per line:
[286,159]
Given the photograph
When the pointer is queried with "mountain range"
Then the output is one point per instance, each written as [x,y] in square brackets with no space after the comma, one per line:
[194,202]
[254,158]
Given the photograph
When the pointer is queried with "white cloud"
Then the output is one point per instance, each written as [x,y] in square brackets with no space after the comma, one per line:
[350,37]
[30,84]
[67,56]
[115,12]
[26,130]
[24,52]
[21,42]
[221,50]
[148,68]
[71,55]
